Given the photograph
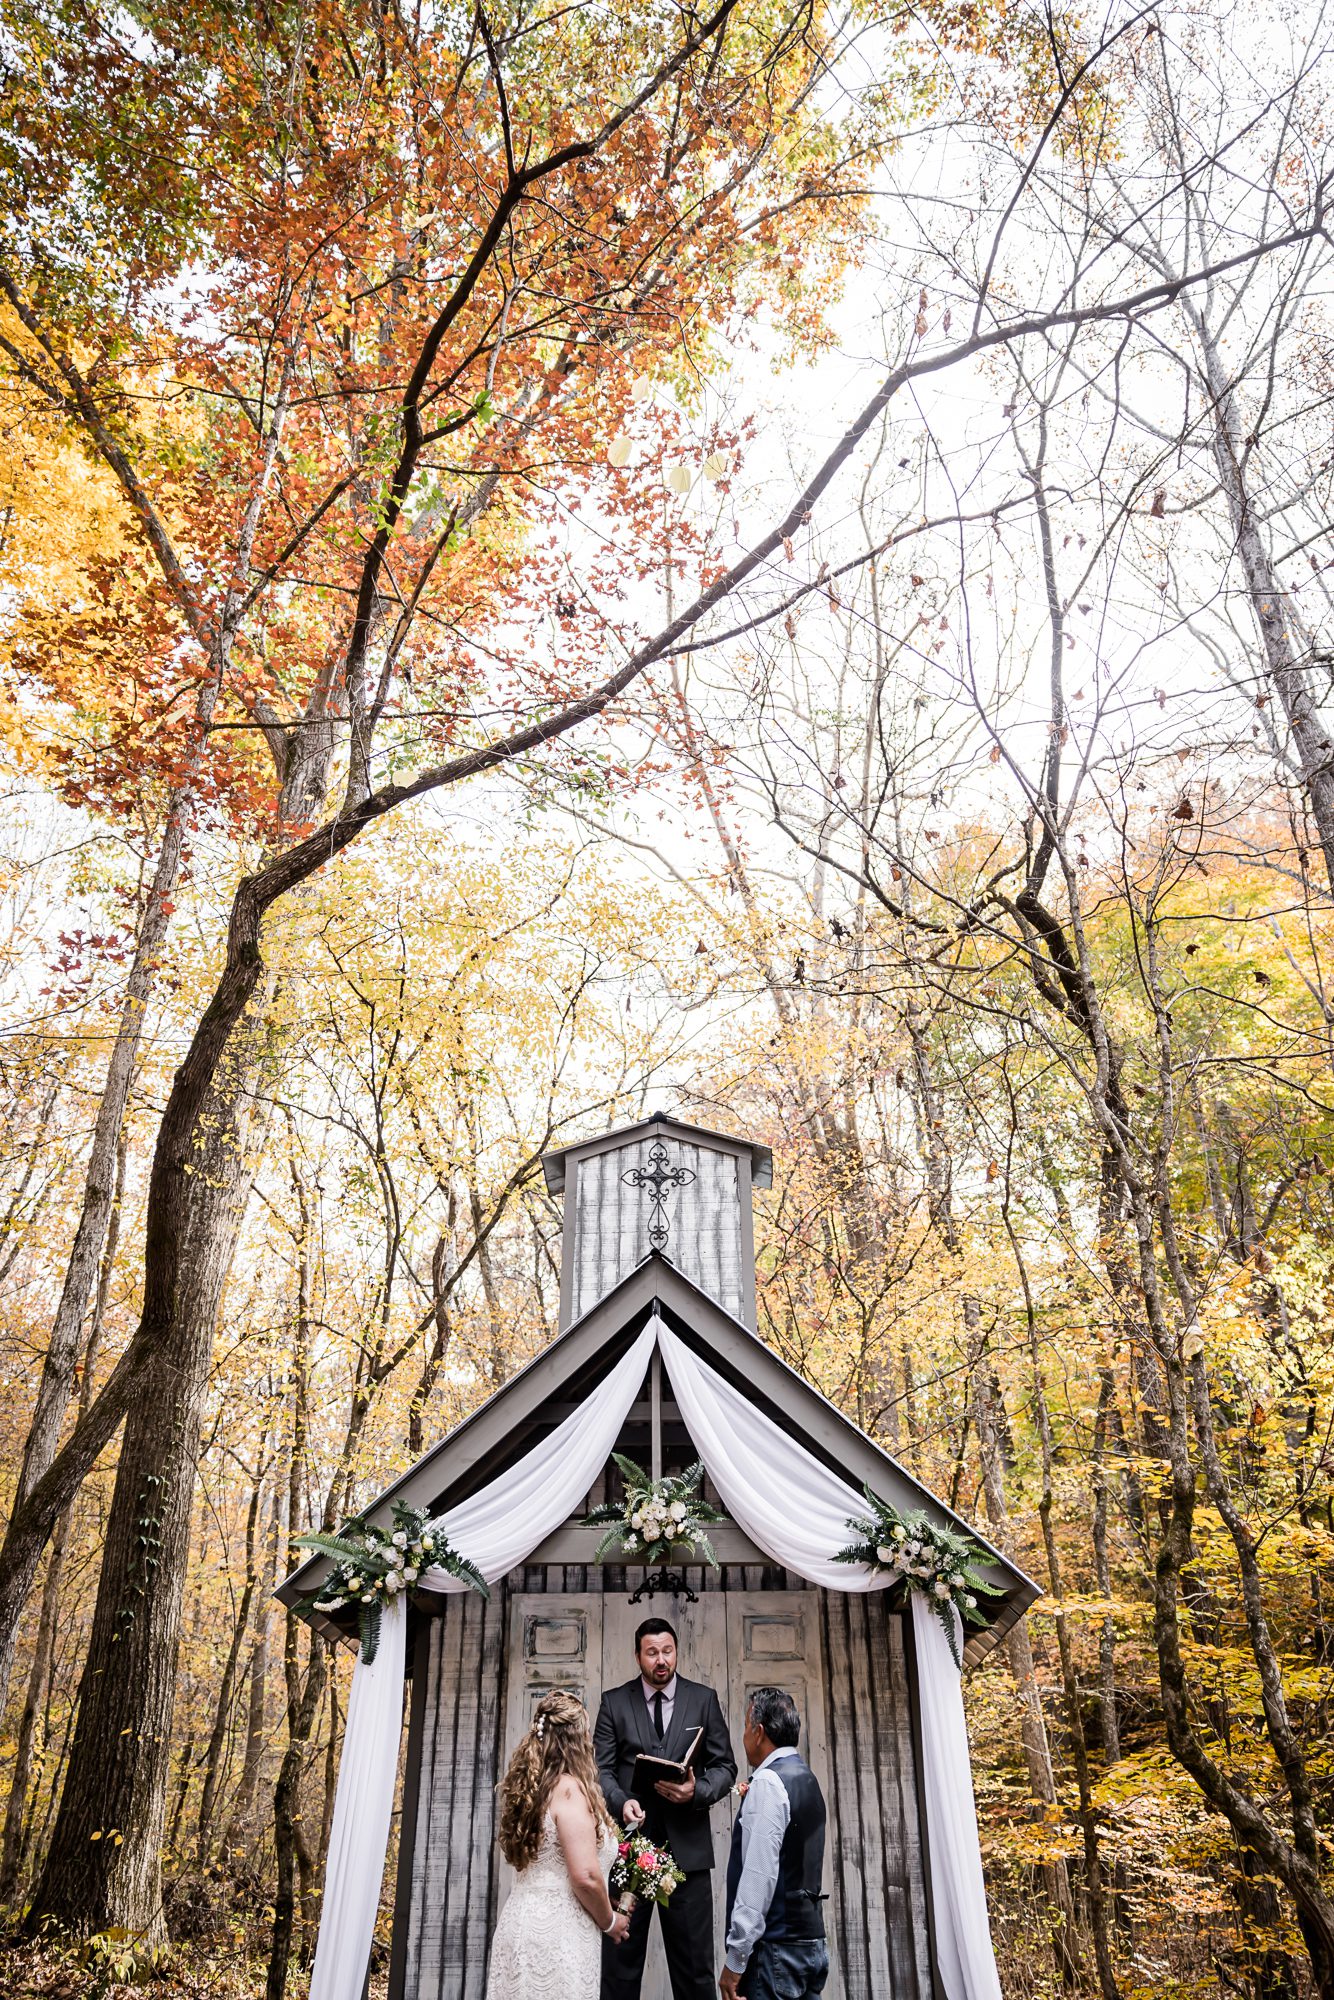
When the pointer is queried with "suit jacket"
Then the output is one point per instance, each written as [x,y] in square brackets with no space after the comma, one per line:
[624,1727]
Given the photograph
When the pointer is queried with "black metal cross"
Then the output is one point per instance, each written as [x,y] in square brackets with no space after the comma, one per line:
[658,1176]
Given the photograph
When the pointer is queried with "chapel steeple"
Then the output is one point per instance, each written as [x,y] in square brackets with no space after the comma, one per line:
[662,1185]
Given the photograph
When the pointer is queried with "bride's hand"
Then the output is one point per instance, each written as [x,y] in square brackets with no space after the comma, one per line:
[620,1929]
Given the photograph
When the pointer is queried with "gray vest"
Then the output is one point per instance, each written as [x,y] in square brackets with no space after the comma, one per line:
[794,1911]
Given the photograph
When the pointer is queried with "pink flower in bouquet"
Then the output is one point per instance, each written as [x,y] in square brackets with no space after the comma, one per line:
[623,1849]
[650,1858]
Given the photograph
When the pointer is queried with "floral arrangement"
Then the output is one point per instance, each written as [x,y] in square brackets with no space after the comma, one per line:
[372,1565]
[656,1516]
[940,1563]
[641,1869]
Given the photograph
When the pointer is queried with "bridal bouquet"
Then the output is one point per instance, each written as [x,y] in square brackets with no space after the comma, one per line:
[940,1563]
[641,1869]
[656,1516]
[372,1565]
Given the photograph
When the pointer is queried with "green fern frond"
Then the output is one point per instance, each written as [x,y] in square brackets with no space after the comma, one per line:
[334,1545]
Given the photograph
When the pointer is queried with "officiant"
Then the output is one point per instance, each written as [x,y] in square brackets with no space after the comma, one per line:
[657,1714]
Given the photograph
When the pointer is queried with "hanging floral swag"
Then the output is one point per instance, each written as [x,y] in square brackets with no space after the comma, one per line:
[373,1565]
[940,1563]
[657,1518]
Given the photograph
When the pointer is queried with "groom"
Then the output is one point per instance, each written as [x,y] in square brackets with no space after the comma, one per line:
[657,1713]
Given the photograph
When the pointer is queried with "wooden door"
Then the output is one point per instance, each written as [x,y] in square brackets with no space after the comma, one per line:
[773,1640]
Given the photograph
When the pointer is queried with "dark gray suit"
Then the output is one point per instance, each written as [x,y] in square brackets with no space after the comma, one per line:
[623,1729]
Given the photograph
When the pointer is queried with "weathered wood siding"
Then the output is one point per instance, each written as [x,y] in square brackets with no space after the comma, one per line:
[607,1223]
[876,1873]
[450,1878]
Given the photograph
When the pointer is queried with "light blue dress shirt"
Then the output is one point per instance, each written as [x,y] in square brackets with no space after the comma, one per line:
[763,1825]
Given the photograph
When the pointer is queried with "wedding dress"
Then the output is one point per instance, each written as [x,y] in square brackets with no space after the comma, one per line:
[546,1946]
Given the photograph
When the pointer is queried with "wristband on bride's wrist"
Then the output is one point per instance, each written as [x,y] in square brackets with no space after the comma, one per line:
[607,1929]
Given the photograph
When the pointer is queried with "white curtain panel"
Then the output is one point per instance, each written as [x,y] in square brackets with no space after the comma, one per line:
[363,1807]
[963,1933]
[792,1507]
[501,1526]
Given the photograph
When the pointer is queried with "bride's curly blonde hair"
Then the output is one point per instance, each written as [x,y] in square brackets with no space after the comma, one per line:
[558,1745]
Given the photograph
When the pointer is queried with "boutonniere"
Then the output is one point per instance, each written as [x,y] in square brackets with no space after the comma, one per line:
[741,1787]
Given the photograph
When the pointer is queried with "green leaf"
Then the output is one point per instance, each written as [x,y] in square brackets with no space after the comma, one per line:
[336,1546]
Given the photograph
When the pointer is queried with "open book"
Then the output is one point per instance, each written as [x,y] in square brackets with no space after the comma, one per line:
[650,1771]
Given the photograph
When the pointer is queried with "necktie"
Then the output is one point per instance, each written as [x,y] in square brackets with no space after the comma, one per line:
[657,1715]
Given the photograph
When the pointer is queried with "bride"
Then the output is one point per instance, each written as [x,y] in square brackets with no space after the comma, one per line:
[556,1832]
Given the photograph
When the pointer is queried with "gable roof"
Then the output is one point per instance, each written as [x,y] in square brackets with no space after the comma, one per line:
[554,1164]
[536,1398]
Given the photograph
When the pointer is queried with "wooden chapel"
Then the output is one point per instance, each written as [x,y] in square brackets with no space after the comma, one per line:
[476,1667]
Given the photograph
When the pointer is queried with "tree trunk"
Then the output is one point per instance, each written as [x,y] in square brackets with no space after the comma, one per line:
[103,1867]
[286,1806]
[11,1855]
[1102,1570]
[222,1714]
[1032,1722]
[256,1716]
[39,1681]
[1270,602]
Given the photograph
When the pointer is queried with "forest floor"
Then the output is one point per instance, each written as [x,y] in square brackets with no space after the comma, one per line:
[104,1970]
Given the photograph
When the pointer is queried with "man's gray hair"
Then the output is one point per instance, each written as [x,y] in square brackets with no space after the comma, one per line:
[774,1711]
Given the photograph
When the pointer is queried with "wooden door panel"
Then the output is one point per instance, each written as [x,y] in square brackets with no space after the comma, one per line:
[774,1641]
[555,1641]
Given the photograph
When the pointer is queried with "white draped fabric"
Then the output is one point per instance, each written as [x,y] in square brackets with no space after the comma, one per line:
[501,1526]
[790,1505]
[793,1507]
[963,1934]
[363,1808]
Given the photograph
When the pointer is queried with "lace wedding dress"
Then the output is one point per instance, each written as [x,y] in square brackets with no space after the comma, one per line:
[546,1946]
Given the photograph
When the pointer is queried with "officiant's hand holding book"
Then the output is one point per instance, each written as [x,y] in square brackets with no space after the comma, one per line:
[671,1773]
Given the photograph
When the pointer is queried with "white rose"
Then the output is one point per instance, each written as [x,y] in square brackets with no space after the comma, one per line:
[410,1573]
[399,1540]
[941,1589]
[393,1581]
[971,1602]
[637,1518]
[417,1548]
[899,1532]
[678,1510]
[956,1582]
[394,1557]
[354,1584]
[884,1554]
